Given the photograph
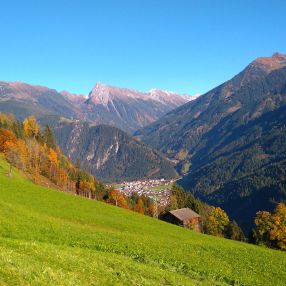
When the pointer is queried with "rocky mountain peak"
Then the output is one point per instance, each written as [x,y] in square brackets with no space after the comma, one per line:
[103,93]
[257,69]
[279,57]
[129,109]
[268,64]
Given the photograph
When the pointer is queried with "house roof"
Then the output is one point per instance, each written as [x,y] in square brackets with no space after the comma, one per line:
[184,214]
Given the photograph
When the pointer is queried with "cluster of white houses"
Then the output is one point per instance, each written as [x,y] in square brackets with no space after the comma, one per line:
[146,188]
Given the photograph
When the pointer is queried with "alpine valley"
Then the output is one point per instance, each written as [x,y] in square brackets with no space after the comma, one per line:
[227,145]
[143,143]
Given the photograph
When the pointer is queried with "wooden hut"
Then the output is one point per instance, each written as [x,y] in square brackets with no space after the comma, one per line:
[184,217]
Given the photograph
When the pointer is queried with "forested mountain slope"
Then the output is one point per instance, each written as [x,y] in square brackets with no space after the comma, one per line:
[246,171]
[111,154]
[184,127]
[232,139]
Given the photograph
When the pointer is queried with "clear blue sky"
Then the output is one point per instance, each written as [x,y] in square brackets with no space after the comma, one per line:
[188,46]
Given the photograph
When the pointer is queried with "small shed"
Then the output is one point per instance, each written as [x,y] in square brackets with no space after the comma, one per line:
[184,217]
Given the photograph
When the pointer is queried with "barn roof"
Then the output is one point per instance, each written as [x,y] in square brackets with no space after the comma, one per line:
[184,214]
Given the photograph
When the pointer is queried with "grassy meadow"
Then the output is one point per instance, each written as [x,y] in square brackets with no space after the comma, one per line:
[52,238]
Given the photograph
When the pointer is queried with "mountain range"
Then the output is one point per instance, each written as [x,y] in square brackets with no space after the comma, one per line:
[126,108]
[229,144]
[121,107]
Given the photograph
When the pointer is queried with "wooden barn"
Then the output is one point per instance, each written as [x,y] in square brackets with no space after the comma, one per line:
[184,217]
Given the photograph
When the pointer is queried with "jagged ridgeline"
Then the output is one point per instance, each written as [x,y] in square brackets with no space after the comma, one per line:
[124,108]
[111,154]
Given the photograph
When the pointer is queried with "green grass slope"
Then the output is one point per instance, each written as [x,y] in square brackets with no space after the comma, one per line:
[52,238]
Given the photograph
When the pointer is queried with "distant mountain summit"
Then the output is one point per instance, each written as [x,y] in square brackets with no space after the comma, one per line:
[260,67]
[268,64]
[169,97]
[73,97]
[126,108]
[102,94]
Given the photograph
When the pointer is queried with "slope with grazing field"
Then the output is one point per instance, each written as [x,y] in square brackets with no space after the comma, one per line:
[53,238]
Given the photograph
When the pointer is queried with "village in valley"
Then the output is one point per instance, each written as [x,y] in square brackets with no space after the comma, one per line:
[158,190]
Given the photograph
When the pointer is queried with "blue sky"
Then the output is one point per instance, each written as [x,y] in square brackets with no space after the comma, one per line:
[188,46]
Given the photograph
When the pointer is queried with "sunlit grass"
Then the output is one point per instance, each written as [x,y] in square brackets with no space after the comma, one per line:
[52,238]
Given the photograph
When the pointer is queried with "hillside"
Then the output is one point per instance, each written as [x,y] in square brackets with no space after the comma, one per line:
[231,138]
[245,172]
[69,240]
[111,154]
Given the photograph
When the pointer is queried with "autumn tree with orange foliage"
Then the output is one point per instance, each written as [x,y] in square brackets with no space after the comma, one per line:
[116,198]
[271,228]
[152,209]
[6,136]
[88,188]
[54,162]
[11,154]
[139,207]
[217,222]
[31,127]
[7,120]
